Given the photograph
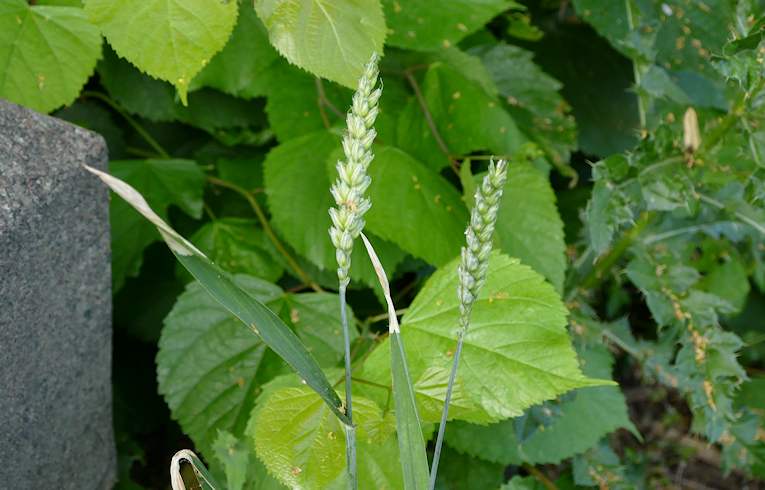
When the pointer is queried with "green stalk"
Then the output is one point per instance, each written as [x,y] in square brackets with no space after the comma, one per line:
[445,413]
[736,112]
[350,430]
[599,271]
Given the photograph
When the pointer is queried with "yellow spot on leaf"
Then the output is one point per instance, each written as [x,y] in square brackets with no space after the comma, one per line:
[709,391]
[499,295]
[760,434]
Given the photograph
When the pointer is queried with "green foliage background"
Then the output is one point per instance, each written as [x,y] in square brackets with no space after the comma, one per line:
[624,250]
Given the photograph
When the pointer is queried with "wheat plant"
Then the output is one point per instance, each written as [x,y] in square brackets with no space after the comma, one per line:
[472,274]
[348,217]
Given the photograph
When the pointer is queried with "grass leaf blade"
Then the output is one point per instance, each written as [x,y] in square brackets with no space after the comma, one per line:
[278,336]
[204,478]
[414,459]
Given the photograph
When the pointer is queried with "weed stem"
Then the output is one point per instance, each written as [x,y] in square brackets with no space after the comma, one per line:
[601,268]
[267,229]
[429,120]
[122,112]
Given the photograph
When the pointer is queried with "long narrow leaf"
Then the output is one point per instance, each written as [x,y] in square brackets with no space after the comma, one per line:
[204,478]
[411,444]
[250,311]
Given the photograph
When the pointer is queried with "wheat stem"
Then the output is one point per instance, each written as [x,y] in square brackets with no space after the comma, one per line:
[472,275]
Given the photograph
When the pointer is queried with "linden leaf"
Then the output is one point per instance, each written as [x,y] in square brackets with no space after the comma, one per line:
[528,224]
[467,118]
[330,38]
[239,246]
[207,363]
[303,444]
[402,182]
[47,54]
[239,69]
[575,425]
[517,352]
[168,39]
[427,25]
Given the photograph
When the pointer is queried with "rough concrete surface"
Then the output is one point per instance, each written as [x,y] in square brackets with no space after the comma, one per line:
[55,307]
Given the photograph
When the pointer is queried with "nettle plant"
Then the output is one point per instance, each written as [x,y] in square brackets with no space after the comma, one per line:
[618,241]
